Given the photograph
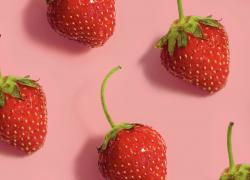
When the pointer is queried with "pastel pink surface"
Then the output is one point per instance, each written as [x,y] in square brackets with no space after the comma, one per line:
[193,125]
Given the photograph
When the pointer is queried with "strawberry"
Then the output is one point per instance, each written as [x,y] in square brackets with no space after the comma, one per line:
[196,50]
[90,22]
[234,172]
[23,115]
[131,151]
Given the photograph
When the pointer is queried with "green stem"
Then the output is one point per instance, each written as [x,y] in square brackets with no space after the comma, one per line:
[104,83]
[1,80]
[229,147]
[180,9]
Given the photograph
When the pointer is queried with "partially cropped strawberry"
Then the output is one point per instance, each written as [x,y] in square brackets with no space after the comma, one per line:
[23,114]
[131,151]
[90,22]
[234,172]
[196,50]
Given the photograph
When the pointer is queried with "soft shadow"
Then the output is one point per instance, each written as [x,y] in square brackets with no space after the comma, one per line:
[37,27]
[159,76]
[87,161]
[6,149]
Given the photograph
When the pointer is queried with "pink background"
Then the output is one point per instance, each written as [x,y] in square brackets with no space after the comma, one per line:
[193,125]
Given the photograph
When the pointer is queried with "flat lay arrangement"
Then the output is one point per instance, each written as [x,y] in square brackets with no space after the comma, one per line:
[169,128]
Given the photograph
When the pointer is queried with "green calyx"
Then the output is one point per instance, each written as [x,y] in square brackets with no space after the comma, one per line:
[178,33]
[10,85]
[240,172]
[111,135]
[234,172]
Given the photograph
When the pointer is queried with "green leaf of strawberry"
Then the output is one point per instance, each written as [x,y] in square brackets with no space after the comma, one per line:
[10,85]
[113,133]
[2,99]
[27,82]
[182,39]
[188,25]
[209,21]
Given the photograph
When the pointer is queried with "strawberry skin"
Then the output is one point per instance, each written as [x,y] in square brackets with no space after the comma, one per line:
[90,22]
[23,116]
[137,153]
[203,62]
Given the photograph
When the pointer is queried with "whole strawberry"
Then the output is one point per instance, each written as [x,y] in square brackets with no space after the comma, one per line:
[234,172]
[23,114]
[90,22]
[195,49]
[131,151]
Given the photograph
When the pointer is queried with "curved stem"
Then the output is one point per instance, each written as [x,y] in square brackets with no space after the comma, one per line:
[229,146]
[104,83]
[180,9]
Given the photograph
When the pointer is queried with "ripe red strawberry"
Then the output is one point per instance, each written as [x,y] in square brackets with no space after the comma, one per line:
[131,151]
[234,172]
[23,115]
[196,50]
[90,22]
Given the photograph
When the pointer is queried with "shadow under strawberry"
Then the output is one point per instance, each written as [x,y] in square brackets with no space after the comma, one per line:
[158,75]
[37,27]
[86,166]
[8,150]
